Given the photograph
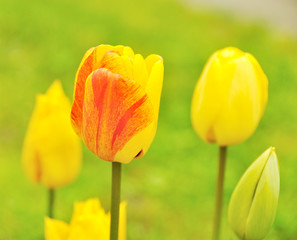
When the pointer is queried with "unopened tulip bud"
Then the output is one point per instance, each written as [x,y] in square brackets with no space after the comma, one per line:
[254,201]
[229,98]
[52,151]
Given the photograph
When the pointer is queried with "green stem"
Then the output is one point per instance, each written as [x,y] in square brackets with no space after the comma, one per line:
[219,193]
[115,200]
[51,199]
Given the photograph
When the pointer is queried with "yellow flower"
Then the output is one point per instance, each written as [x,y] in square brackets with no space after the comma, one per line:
[253,203]
[51,152]
[116,102]
[89,221]
[229,98]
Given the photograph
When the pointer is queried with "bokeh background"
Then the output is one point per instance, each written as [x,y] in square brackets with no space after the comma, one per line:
[170,191]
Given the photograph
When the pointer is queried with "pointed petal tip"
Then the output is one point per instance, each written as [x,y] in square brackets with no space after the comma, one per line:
[56,86]
[272,149]
[272,153]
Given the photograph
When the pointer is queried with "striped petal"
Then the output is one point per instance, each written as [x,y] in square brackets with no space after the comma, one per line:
[90,62]
[115,110]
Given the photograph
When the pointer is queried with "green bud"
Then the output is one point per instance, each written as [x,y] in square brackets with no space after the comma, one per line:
[253,204]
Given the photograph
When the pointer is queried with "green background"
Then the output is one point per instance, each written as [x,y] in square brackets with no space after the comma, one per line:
[170,191]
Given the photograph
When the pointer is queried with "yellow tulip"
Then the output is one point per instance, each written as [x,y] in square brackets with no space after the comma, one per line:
[51,152]
[229,98]
[89,221]
[253,203]
[116,102]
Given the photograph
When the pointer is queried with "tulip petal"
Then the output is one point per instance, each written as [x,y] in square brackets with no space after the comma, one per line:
[91,206]
[126,51]
[138,145]
[123,221]
[55,229]
[90,226]
[90,62]
[154,84]
[208,98]
[89,221]
[243,110]
[151,60]
[262,82]
[115,109]
[140,70]
[141,141]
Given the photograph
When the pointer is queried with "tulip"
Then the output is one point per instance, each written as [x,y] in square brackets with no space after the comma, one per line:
[115,108]
[51,152]
[229,98]
[254,201]
[116,102]
[89,221]
[227,105]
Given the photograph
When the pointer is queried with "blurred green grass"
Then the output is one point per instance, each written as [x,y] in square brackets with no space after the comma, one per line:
[171,190]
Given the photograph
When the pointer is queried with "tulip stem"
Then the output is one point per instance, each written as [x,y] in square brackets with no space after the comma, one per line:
[115,200]
[51,198]
[219,193]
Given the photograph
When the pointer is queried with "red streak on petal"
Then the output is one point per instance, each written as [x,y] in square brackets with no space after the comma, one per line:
[84,71]
[115,109]
[38,167]
[125,118]
[99,84]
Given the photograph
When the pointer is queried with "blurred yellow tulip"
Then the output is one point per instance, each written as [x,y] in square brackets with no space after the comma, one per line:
[89,221]
[229,98]
[51,152]
[116,102]
[254,201]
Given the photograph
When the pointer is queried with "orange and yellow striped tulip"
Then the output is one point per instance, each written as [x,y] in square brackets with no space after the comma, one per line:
[230,97]
[116,102]
[51,152]
[89,221]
